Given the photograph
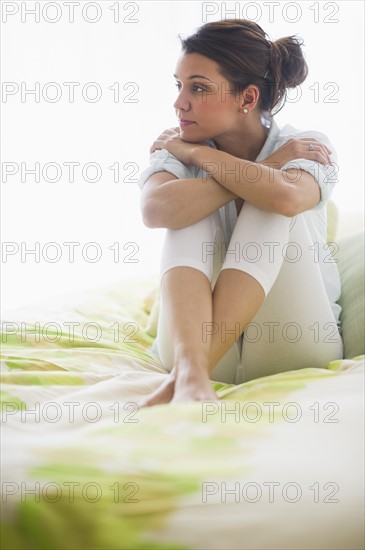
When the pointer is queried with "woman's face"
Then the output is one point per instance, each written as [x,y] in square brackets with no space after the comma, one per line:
[204,106]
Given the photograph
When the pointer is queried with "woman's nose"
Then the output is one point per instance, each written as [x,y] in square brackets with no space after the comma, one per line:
[182,102]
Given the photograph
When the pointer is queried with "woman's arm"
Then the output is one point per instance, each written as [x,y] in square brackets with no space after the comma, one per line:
[175,203]
[284,192]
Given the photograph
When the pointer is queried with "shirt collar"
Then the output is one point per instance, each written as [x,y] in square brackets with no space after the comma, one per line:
[269,144]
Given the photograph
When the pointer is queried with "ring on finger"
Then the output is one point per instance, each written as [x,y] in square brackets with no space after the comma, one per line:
[311,147]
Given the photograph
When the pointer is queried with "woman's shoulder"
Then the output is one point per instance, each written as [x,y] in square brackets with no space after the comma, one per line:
[290,132]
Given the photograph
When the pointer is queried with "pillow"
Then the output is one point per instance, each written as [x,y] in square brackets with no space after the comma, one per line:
[332,221]
[351,268]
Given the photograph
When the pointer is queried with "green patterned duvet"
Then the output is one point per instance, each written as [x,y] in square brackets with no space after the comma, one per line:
[276,464]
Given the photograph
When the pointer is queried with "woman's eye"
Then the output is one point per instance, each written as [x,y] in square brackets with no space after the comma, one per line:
[195,88]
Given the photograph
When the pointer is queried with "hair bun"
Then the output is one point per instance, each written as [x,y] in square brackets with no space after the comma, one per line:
[288,61]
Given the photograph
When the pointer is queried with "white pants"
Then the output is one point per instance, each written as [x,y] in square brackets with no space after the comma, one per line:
[295,327]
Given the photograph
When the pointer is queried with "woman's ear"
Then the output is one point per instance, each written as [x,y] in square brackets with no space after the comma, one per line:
[249,97]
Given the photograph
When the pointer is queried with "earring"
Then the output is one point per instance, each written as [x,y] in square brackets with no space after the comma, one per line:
[245,110]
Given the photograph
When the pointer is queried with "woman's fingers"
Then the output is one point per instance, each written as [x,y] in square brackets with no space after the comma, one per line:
[319,156]
[311,149]
[319,152]
[306,148]
[316,142]
[158,144]
[167,134]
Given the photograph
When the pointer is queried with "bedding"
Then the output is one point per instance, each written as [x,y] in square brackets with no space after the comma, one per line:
[275,464]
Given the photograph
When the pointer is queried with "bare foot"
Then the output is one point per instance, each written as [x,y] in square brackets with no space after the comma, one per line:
[193,387]
[163,394]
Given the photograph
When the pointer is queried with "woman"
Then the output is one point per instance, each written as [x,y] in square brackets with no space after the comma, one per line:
[248,285]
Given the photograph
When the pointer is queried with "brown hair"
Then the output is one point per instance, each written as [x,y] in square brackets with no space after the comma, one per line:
[246,56]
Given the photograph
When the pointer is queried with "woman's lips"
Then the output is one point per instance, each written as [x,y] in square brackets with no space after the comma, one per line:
[183,122]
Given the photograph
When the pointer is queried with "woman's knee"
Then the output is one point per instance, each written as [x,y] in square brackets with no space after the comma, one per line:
[195,246]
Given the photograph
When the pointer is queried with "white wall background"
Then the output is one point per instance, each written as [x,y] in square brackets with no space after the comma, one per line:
[138,46]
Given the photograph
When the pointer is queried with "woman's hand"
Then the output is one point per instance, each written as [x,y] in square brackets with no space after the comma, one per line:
[171,141]
[305,148]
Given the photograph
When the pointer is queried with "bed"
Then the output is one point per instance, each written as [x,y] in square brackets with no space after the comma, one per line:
[276,464]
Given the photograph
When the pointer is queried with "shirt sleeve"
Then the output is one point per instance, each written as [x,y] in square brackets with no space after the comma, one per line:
[163,161]
[326,175]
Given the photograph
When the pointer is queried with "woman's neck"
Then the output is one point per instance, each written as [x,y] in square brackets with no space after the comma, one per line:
[246,143]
